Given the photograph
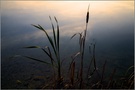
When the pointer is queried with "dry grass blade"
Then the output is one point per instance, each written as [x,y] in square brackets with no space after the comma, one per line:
[72,73]
[73,58]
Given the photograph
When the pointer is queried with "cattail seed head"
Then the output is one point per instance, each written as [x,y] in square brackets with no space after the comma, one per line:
[87,17]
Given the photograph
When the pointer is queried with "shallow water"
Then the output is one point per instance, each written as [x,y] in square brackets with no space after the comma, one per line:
[111,25]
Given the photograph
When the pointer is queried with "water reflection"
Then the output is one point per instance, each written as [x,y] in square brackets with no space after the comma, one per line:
[111,25]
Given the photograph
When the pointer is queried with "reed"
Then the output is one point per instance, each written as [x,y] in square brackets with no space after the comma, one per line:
[56,62]
[82,40]
[54,42]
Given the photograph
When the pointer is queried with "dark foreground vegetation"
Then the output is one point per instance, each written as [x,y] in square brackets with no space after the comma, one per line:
[76,78]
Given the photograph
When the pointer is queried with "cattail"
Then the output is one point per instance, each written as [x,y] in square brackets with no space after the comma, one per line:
[87,17]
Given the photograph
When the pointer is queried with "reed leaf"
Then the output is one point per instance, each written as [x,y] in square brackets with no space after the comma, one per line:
[36,26]
[54,35]
[50,54]
[33,47]
[57,32]
[36,59]
[80,39]
[49,38]
[47,53]
[76,34]
[52,60]
[41,27]
[73,58]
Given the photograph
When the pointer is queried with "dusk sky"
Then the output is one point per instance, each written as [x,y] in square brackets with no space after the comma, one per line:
[70,14]
[111,25]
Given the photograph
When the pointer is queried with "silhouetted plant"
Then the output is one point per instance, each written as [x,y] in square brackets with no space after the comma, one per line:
[56,62]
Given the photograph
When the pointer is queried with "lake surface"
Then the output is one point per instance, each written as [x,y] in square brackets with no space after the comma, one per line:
[111,25]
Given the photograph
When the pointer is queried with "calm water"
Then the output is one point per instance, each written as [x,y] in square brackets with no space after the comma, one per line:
[111,24]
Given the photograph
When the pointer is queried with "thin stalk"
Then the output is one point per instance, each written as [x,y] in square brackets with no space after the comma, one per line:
[52,61]
[72,73]
[89,64]
[82,47]
[103,72]
[94,56]
[59,66]
[111,78]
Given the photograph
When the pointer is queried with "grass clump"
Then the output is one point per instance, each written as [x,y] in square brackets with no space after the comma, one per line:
[54,42]
[79,81]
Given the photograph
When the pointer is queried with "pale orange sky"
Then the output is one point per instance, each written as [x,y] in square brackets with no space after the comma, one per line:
[71,10]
